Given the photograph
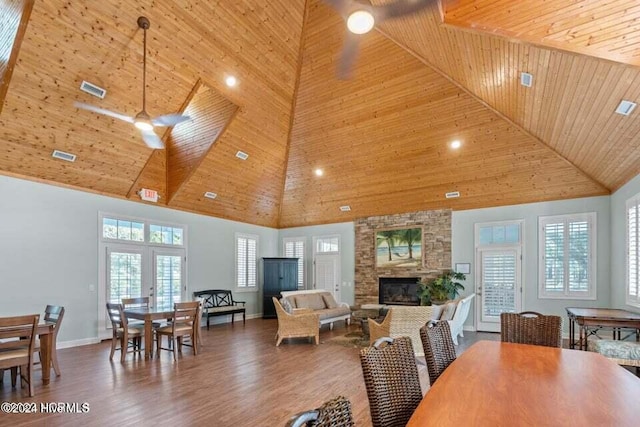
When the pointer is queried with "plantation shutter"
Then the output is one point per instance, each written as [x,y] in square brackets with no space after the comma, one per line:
[246,261]
[295,249]
[498,282]
[633,264]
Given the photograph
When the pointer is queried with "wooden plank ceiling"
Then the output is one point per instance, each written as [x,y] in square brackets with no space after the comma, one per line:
[381,138]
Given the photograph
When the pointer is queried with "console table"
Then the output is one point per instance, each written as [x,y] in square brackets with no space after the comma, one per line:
[590,320]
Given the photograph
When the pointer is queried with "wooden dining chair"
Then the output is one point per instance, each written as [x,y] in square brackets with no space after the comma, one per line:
[530,327]
[17,335]
[184,324]
[392,381]
[439,350]
[334,413]
[129,338]
[139,302]
[52,314]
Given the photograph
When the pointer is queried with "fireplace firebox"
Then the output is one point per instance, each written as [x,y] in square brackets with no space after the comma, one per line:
[398,290]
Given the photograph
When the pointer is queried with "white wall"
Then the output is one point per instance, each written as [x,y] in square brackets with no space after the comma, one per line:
[49,251]
[619,241]
[463,249]
[346,232]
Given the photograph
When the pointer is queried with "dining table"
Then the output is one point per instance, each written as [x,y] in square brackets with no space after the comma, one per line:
[505,384]
[45,335]
[148,315]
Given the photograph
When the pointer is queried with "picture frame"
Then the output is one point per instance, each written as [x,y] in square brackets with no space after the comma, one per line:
[399,247]
[463,267]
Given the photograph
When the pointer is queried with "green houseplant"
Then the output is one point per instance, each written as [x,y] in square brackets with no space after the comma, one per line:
[444,287]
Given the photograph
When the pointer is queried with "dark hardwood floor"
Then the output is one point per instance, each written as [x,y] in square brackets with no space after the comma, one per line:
[240,378]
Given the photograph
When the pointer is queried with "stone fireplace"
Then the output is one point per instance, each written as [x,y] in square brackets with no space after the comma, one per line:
[436,254]
[398,290]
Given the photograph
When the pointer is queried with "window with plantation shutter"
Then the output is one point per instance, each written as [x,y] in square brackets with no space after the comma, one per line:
[567,256]
[246,261]
[294,248]
[633,255]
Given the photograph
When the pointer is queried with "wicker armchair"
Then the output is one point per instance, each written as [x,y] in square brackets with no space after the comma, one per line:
[402,321]
[439,351]
[299,325]
[392,381]
[530,327]
[334,413]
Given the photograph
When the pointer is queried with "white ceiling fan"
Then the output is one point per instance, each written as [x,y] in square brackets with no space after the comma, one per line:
[142,120]
[361,18]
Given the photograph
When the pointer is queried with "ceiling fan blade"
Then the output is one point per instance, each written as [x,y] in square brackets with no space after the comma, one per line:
[152,140]
[342,6]
[399,8]
[99,110]
[169,120]
[348,55]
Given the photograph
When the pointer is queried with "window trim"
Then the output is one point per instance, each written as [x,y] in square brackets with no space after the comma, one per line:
[328,236]
[252,288]
[591,294]
[633,201]
[286,240]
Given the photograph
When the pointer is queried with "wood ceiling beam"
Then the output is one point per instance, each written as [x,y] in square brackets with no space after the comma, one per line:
[294,100]
[492,109]
[13,11]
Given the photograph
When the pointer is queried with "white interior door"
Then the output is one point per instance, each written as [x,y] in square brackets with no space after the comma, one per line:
[169,284]
[499,287]
[327,274]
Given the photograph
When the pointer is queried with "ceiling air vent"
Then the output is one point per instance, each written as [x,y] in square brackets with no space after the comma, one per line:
[67,157]
[526,79]
[242,155]
[626,107]
[345,208]
[210,195]
[452,194]
[92,89]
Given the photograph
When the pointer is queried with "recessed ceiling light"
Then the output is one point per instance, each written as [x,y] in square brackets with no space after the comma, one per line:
[231,81]
[210,195]
[360,22]
[526,79]
[61,155]
[452,194]
[455,144]
[319,172]
[345,208]
[626,107]
[242,155]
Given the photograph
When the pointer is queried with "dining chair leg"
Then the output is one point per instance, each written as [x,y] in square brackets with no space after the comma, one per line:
[124,346]
[113,347]
[54,362]
[175,348]
[158,344]
[14,376]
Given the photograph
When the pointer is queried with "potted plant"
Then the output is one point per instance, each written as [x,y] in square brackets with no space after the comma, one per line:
[442,288]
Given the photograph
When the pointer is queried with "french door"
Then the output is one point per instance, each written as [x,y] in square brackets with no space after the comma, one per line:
[499,286]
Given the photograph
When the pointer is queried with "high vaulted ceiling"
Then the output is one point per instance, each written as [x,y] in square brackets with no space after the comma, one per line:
[381,138]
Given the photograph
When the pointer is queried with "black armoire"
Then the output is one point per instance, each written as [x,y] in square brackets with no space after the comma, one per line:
[279,274]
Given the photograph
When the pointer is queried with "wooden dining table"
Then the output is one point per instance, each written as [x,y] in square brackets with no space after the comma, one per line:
[45,334]
[148,315]
[505,384]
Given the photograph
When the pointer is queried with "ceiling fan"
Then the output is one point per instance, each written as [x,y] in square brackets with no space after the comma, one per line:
[361,17]
[142,120]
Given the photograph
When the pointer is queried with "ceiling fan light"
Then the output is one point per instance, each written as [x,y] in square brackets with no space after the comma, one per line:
[142,121]
[360,22]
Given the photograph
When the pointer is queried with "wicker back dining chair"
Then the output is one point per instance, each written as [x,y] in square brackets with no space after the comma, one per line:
[530,327]
[439,350]
[334,413]
[122,333]
[17,344]
[392,381]
[184,324]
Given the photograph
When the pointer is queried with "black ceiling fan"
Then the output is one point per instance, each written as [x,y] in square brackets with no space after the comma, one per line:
[361,17]
[142,120]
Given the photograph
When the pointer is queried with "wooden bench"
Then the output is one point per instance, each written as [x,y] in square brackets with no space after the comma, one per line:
[220,302]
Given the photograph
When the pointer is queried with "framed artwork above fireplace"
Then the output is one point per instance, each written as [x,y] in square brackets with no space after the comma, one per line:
[399,248]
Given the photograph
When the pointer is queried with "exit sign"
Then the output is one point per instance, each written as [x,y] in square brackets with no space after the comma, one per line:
[149,195]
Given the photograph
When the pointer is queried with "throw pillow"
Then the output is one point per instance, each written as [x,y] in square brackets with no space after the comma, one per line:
[329,300]
[313,301]
[286,305]
[449,311]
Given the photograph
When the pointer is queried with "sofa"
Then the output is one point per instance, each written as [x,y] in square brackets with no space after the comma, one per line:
[319,302]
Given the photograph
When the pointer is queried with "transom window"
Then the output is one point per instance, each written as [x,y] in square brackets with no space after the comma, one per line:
[294,248]
[141,231]
[119,229]
[633,251]
[327,244]
[567,256]
[246,261]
